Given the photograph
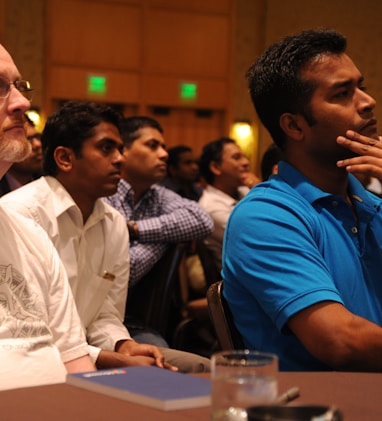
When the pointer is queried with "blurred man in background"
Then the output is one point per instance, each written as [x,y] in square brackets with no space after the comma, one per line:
[29,169]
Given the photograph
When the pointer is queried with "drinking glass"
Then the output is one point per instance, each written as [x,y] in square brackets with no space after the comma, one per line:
[241,379]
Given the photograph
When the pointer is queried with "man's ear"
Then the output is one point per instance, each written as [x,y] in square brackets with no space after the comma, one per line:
[63,157]
[215,168]
[292,125]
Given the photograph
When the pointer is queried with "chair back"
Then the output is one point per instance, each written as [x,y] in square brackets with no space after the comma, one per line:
[207,259]
[228,336]
[150,301]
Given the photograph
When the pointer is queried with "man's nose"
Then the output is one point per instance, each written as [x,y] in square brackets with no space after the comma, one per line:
[17,101]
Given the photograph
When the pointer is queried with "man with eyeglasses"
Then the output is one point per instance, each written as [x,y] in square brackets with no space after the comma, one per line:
[22,86]
[41,337]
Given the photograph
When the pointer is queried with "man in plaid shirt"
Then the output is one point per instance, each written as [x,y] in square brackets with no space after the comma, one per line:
[156,216]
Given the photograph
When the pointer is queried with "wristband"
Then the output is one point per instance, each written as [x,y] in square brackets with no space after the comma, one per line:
[133,230]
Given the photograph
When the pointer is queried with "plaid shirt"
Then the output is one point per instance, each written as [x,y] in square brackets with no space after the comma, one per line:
[163,217]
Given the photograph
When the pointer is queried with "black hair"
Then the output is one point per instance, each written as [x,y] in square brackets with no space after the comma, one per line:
[130,127]
[212,152]
[70,126]
[275,81]
[175,153]
[270,158]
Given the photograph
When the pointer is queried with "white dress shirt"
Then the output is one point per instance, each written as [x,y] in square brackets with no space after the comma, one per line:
[219,206]
[95,255]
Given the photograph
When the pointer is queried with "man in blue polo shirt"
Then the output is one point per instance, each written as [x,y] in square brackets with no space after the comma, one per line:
[303,251]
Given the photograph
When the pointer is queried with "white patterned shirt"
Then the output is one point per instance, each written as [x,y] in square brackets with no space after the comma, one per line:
[39,325]
[219,206]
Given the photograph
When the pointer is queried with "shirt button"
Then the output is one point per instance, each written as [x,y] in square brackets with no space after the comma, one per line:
[335,203]
[354,230]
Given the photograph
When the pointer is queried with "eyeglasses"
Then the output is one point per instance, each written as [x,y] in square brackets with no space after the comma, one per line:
[22,86]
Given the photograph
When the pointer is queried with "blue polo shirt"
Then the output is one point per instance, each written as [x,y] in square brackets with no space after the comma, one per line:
[289,245]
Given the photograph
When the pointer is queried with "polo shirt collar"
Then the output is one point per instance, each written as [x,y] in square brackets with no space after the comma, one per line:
[312,193]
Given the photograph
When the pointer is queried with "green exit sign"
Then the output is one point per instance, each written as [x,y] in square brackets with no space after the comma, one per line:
[188,91]
[96,85]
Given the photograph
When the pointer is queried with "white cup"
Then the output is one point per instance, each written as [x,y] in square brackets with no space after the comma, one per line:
[241,379]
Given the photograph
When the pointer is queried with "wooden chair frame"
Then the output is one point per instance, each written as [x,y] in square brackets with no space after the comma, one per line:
[227,334]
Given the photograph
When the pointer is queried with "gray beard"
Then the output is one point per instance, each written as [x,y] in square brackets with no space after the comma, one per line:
[14,150]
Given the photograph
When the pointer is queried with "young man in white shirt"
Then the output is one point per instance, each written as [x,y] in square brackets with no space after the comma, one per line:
[225,168]
[82,159]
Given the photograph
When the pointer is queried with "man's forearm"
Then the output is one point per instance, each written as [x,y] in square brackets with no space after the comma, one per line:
[142,258]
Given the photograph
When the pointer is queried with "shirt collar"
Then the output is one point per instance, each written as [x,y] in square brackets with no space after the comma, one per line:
[222,195]
[313,193]
[63,201]
[300,183]
[126,192]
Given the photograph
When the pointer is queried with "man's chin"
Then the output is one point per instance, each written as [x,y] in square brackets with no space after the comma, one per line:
[16,152]
[370,132]
[22,156]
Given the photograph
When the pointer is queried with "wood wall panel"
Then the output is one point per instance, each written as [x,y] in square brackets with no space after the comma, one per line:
[100,34]
[145,49]
[72,83]
[165,90]
[2,21]
[160,43]
[186,127]
[24,39]
[213,6]
[187,43]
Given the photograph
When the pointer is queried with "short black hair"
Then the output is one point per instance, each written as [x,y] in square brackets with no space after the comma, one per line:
[275,82]
[131,125]
[270,158]
[212,152]
[70,126]
[174,154]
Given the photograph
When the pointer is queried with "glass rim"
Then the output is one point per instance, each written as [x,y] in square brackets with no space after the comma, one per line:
[245,352]
[243,358]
